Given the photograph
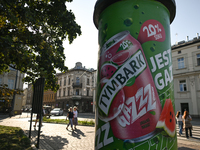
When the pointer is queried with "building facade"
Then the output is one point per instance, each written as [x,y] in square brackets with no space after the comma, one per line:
[29,97]
[14,81]
[24,98]
[186,73]
[49,98]
[77,88]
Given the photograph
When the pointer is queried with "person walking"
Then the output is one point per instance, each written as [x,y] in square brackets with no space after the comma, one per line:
[187,124]
[70,115]
[179,121]
[38,117]
[75,117]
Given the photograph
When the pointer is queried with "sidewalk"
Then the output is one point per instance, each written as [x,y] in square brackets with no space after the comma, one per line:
[55,136]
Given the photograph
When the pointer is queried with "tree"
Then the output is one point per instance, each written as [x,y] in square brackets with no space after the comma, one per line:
[31,37]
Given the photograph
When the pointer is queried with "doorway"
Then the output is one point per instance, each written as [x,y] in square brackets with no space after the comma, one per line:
[184,106]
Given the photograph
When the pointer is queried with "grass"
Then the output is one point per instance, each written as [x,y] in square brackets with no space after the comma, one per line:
[13,138]
[63,121]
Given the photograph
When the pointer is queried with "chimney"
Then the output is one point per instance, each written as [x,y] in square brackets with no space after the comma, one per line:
[187,38]
[197,35]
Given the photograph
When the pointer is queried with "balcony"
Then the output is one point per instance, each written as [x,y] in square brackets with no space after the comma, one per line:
[74,97]
[77,85]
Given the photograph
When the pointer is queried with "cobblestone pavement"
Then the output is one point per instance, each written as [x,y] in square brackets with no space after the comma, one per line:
[55,136]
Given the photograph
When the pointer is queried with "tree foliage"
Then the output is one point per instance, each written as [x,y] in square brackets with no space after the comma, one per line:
[31,37]
[7,94]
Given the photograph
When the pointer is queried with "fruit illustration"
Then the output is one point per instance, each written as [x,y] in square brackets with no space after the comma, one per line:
[107,70]
[120,57]
[167,119]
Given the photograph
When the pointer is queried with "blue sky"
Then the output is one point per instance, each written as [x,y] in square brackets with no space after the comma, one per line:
[85,48]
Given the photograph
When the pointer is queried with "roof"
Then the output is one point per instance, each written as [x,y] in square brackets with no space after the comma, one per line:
[186,43]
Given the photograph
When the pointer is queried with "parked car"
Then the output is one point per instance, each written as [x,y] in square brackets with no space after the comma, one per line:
[47,111]
[26,109]
[57,111]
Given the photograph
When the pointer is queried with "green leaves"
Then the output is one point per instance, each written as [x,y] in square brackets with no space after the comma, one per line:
[6,93]
[31,37]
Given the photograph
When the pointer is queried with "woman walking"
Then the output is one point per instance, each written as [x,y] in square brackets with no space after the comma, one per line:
[186,123]
[70,115]
[75,117]
[179,121]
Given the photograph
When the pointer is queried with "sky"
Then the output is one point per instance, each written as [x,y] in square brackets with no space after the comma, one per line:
[84,48]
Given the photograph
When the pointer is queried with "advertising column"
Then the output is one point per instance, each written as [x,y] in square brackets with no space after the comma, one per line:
[135,96]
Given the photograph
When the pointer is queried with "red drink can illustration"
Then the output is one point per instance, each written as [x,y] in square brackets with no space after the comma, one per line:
[128,97]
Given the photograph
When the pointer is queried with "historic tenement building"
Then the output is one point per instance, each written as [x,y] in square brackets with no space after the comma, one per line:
[186,73]
[14,81]
[77,88]
[49,98]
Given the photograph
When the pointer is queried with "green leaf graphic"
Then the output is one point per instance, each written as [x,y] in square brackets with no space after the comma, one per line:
[131,81]
[152,112]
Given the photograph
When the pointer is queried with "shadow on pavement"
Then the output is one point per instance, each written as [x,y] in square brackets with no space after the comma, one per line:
[47,142]
[185,148]
[196,138]
[76,133]
[3,117]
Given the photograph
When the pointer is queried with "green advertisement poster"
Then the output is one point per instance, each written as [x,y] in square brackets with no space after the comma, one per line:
[135,97]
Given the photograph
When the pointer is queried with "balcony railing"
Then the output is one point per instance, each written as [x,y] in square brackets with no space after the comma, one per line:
[79,85]
[76,97]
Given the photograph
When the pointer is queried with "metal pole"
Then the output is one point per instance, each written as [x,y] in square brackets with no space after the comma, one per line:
[30,125]
[38,140]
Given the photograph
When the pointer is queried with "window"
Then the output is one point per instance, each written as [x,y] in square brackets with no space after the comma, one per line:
[69,82]
[77,80]
[64,92]
[10,83]
[88,81]
[65,81]
[60,82]
[0,81]
[77,91]
[198,59]
[87,92]
[182,85]
[198,47]
[68,92]
[181,63]
[60,93]
[179,52]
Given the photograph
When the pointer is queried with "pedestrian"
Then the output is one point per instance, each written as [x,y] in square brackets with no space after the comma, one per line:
[70,115]
[179,121]
[38,117]
[75,117]
[187,124]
